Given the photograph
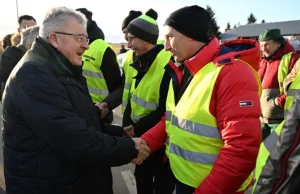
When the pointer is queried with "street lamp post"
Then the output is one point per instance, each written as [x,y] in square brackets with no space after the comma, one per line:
[17,8]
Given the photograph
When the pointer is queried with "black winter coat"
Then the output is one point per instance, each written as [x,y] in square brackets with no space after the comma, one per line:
[53,139]
[8,60]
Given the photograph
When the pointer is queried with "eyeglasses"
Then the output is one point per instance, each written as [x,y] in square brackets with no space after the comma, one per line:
[130,38]
[78,37]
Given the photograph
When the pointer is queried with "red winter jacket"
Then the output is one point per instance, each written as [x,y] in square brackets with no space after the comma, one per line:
[272,103]
[239,126]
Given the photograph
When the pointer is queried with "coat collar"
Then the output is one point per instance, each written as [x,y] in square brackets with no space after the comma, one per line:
[205,55]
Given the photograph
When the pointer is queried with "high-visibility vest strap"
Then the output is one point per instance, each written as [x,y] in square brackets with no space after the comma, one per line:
[129,72]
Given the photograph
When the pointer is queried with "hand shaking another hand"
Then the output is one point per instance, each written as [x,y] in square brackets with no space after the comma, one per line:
[129,131]
[144,150]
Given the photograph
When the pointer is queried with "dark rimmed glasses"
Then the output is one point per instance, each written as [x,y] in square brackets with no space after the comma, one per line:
[78,37]
[130,38]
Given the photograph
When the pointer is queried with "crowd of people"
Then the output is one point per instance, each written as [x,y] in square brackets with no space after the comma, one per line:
[199,116]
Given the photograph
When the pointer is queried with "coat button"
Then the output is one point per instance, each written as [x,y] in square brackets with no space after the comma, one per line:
[265,181]
[91,105]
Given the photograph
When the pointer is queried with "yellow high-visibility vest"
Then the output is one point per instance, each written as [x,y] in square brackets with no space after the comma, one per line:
[194,140]
[145,97]
[92,61]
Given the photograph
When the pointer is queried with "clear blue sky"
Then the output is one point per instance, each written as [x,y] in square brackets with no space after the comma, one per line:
[109,14]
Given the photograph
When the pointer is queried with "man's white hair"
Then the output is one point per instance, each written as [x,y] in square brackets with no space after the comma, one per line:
[57,18]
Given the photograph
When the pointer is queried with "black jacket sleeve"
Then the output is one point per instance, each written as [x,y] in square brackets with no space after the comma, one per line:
[149,121]
[114,98]
[54,120]
[126,117]
[111,71]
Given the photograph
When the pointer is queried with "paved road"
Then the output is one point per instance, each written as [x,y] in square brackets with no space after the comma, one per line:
[124,182]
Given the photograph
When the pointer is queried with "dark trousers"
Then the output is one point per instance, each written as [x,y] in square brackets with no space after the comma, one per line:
[184,189]
[154,175]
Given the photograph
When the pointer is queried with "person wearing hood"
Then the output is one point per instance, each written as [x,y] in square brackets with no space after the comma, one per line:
[211,128]
[100,67]
[278,59]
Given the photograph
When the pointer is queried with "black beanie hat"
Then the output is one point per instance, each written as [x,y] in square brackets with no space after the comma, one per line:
[192,21]
[88,14]
[145,27]
[131,16]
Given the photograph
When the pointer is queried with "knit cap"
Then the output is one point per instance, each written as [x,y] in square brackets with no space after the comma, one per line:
[145,27]
[131,16]
[192,21]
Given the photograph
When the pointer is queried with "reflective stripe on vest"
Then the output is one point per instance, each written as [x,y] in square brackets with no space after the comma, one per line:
[194,141]
[129,72]
[283,69]
[92,61]
[145,97]
[194,127]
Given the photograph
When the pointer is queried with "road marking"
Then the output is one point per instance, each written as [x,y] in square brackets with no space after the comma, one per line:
[130,181]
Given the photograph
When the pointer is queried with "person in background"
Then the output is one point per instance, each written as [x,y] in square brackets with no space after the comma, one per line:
[15,39]
[277,164]
[53,139]
[212,107]
[122,50]
[6,41]
[278,59]
[114,99]
[100,67]
[146,99]
[13,54]
[94,31]
[25,21]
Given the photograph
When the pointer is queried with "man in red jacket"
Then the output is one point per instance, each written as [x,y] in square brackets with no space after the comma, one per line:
[211,127]
[278,59]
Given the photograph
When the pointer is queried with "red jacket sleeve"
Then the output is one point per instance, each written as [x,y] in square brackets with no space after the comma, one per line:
[239,126]
[281,100]
[156,136]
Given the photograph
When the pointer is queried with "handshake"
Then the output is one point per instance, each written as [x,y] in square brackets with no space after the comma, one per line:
[144,150]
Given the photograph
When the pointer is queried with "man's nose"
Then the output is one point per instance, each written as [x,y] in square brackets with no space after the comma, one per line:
[129,44]
[85,45]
